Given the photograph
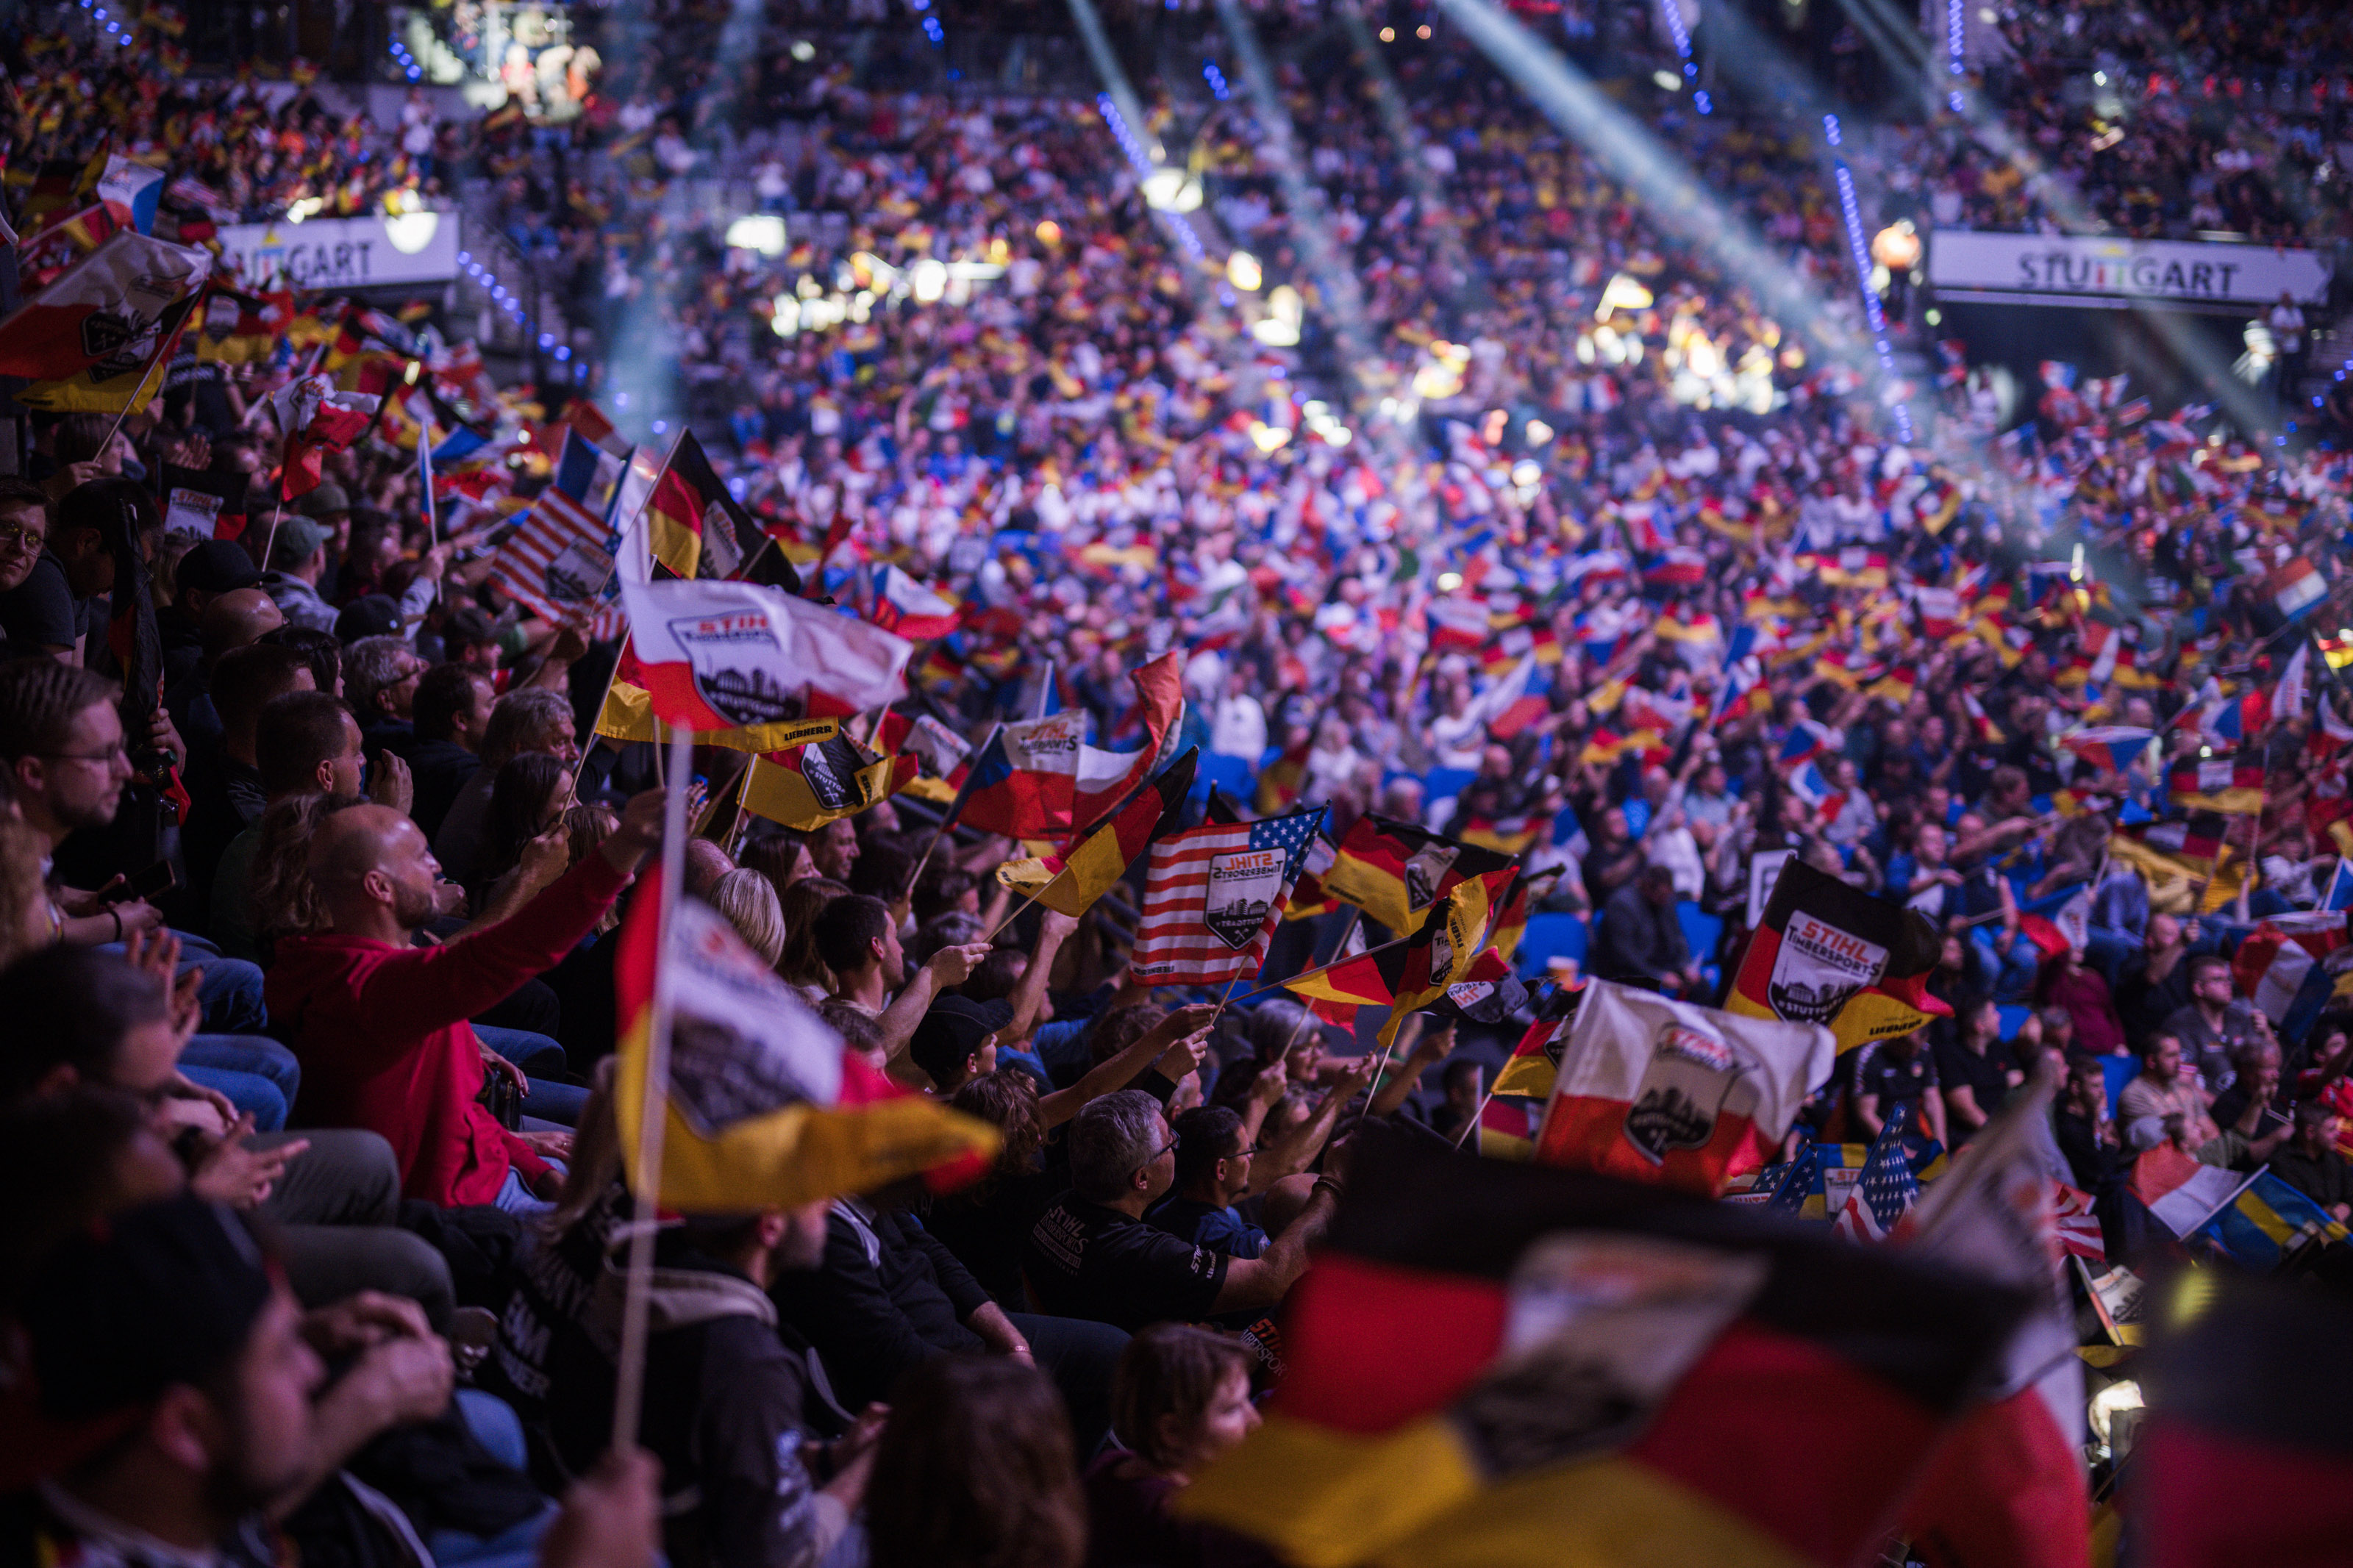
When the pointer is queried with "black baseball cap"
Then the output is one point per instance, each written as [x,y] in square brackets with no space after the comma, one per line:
[163,1294]
[370,616]
[215,566]
[952,1031]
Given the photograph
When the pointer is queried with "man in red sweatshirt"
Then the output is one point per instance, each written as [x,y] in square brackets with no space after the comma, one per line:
[380,1023]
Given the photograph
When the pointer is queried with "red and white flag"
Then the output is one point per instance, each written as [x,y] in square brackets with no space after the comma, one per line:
[114,296]
[2180,1191]
[1213,896]
[908,608]
[2079,1227]
[2008,1485]
[734,656]
[317,419]
[1457,624]
[1666,1092]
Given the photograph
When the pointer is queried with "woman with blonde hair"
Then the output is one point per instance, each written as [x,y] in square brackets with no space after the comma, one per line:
[749,902]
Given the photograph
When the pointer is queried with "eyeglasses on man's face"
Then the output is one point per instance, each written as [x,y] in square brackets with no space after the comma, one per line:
[1173,1141]
[22,536]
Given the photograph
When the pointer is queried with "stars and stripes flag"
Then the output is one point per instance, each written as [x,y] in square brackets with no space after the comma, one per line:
[1213,896]
[1887,1190]
[2079,1227]
[558,562]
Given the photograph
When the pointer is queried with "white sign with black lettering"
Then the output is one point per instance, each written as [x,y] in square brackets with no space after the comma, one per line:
[346,252]
[2097,272]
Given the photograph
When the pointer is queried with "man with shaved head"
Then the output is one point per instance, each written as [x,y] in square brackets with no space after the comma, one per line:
[380,1023]
[235,619]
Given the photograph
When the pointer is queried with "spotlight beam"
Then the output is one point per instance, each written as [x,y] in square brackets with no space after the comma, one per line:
[1676,202]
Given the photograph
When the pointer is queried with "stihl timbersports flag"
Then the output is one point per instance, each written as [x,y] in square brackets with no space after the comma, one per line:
[739,656]
[1651,1089]
[765,1109]
[1040,779]
[808,786]
[112,298]
[1392,870]
[2225,784]
[1512,1365]
[1829,954]
[1213,896]
[1070,882]
[125,381]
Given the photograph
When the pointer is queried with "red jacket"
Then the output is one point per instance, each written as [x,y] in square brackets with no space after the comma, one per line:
[382,1034]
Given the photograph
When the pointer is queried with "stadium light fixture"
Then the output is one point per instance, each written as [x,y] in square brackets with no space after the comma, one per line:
[1244,271]
[761,232]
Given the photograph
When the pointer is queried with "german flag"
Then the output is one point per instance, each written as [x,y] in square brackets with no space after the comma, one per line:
[1534,1062]
[237,328]
[808,786]
[1070,882]
[1493,1364]
[1605,747]
[1507,1128]
[2166,851]
[1829,954]
[2245,1456]
[1408,974]
[693,526]
[2234,786]
[1393,870]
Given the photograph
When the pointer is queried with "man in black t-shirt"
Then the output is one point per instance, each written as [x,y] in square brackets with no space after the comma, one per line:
[1092,1255]
[1888,1073]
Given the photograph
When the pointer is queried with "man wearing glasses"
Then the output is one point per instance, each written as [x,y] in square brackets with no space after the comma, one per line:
[24,536]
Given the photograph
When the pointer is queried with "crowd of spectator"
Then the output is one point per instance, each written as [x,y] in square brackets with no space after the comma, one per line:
[312,868]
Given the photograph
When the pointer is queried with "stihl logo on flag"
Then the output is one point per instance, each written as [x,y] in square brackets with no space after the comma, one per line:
[112,296]
[1654,1090]
[728,655]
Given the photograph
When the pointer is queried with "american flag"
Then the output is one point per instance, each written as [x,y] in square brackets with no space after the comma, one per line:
[2079,1228]
[1887,1190]
[1212,897]
[559,558]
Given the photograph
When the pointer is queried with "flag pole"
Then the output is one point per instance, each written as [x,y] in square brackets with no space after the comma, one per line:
[955,808]
[628,1400]
[165,343]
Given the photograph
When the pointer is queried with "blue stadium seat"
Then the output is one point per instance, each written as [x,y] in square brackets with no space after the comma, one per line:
[1701,931]
[1445,783]
[2013,1015]
[2119,1071]
[1232,774]
[1548,937]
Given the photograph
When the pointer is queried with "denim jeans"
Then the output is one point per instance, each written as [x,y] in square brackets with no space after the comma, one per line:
[543,1061]
[255,1072]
